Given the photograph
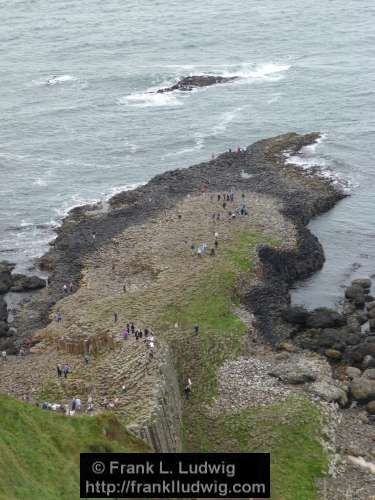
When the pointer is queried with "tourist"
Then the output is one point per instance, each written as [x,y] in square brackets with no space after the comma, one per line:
[71,287]
[4,355]
[59,371]
[66,370]
[199,251]
[218,217]
[124,288]
[115,317]
[86,359]
[125,334]
[218,197]
[73,405]
[212,252]
[132,328]
[216,243]
[192,249]
[196,329]
[187,391]
[58,317]
[94,235]
[65,289]
[78,405]
[90,409]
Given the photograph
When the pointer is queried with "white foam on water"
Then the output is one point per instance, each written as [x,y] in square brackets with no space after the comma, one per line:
[151,99]
[308,158]
[40,182]
[264,71]
[226,119]
[55,80]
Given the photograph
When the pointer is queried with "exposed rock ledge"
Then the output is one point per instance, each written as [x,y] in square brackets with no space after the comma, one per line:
[189,83]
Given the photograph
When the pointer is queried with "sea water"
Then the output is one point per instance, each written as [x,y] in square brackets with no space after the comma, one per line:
[78,121]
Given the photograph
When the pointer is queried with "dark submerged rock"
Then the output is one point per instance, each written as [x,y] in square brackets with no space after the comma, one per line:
[6,269]
[323,317]
[189,83]
[21,283]
[355,293]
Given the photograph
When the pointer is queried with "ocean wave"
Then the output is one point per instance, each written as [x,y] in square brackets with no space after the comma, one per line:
[309,159]
[55,80]
[40,182]
[264,71]
[151,99]
[226,119]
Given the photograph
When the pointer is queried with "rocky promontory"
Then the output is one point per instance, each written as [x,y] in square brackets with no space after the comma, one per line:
[185,249]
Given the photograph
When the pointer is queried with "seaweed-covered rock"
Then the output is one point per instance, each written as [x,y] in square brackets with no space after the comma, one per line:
[3,309]
[6,269]
[296,315]
[21,283]
[323,317]
[189,83]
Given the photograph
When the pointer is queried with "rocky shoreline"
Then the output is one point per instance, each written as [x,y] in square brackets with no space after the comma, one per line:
[261,168]
[92,253]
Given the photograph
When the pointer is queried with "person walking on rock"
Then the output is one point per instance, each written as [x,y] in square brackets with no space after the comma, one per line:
[59,371]
[187,390]
[115,317]
[66,371]
[196,329]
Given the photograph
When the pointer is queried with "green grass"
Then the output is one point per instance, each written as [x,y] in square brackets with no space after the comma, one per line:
[39,450]
[289,431]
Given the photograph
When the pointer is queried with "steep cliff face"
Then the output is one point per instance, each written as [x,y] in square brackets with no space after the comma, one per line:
[162,431]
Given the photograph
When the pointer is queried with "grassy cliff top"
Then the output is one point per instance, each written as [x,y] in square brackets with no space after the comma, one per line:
[39,450]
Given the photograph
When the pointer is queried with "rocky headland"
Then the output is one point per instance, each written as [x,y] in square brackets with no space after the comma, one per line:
[258,362]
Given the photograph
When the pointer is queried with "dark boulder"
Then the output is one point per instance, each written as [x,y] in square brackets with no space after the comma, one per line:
[363,389]
[333,338]
[6,269]
[357,353]
[3,310]
[362,282]
[356,295]
[353,339]
[296,315]
[325,318]
[21,283]
[309,339]
[191,82]
[4,329]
